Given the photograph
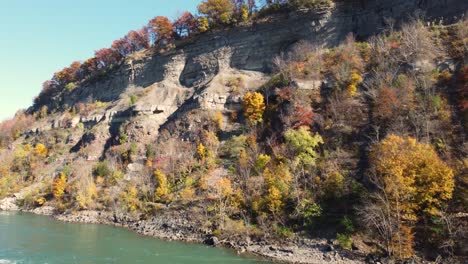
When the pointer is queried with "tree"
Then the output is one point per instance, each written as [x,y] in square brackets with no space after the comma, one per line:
[122,47]
[254,106]
[203,24]
[68,74]
[107,57]
[59,185]
[277,187]
[161,30]
[137,40]
[218,11]
[387,103]
[355,79]
[89,67]
[303,145]
[414,184]
[302,116]
[185,25]
[162,189]
[412,172]
[40,150]
[201,151]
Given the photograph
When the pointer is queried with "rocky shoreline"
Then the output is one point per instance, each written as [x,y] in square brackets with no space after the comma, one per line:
[169,226]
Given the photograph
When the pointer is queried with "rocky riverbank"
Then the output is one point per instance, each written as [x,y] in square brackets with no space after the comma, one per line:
[176,225]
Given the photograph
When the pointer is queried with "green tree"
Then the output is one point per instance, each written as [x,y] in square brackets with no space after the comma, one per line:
[304,145]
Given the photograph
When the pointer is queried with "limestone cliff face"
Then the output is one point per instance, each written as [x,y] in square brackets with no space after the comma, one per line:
[188,70]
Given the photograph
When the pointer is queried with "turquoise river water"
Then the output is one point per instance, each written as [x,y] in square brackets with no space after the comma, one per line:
[28,238]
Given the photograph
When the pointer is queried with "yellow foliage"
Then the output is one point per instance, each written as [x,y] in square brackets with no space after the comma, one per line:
[41,150]
[40,201]
[203,24]
[353,82]
[86,194]
[261,162]
[401,244]
[218,120]
[130,197]
[201,150]
[187,194]
[224,188]
[277,183]
[334,183]
[253,106]
[274,199]
[162,190]
[412,175]
[59,185]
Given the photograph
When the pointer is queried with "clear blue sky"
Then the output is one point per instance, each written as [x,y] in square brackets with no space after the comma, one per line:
[40,37]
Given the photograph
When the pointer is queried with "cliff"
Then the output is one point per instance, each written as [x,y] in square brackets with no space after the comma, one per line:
[163,138]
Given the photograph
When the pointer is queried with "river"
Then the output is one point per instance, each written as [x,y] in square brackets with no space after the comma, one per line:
[27,238]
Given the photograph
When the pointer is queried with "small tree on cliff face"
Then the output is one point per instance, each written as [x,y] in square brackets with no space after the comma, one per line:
[253,106]
[414,184]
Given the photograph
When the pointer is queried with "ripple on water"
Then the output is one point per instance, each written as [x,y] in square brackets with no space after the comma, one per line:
[6,261]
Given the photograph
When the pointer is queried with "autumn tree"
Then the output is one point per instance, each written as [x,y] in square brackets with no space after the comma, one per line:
[219,12]
[107,57]
[277,188]
[161,30]
[162,188]
[137,40]
[254,106]
[203,24]
[354,80]
[121,46]
[415,184]
[41,150]
[59,185]
[185,25]
[89,67]
[68,74]
[302,116]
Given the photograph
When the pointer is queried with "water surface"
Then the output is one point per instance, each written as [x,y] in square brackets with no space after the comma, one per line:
[28,238]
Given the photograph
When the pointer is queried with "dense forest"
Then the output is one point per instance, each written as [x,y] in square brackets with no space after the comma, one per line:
[365,141]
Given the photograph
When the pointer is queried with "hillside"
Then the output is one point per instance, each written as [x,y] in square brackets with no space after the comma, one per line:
[330,134]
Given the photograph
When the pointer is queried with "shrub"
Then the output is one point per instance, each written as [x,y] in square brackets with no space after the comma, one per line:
[344,240]
[102,169]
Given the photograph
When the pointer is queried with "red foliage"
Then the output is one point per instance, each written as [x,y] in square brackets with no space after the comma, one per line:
[68,74]
[387,102]
[107,57]
[185,24]
[122,47]
[89,67]
[303,116]
[286,93]
[137,40]
[161,29]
